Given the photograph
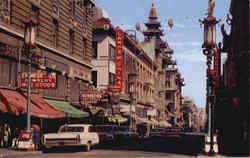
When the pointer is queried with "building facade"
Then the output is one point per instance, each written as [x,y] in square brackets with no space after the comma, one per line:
[64,46]
[134,61]
[168,83]
[232,105]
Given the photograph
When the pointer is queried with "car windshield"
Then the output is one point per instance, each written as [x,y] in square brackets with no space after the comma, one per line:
[72,129]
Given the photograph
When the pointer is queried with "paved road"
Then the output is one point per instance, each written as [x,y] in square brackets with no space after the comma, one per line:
[189,147]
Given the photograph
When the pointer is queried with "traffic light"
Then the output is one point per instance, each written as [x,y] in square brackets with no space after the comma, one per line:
[211,79]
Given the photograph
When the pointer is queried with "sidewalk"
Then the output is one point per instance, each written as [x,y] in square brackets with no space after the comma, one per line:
[8,152]
[218,156]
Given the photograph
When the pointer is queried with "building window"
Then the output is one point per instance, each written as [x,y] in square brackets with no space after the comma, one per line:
[168,84]
[71,8]
[5,10]
[94,78]
[71,40]
[111,78]
[111,52]
[80,3]
[95,48]
[55,32]
[84,48]
[74,90]
[55,8]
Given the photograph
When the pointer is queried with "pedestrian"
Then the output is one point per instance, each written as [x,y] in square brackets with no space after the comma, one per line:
[6,135]
[15,138]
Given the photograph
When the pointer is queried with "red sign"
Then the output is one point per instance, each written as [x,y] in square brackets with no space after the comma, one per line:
[217,68]
[119,59]
[39,80]
[92,95]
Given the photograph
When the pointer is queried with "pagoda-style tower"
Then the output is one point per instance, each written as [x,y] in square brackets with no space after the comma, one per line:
[153,26]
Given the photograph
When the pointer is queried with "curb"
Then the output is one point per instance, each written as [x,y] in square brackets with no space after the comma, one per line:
[206,156]
[18,153]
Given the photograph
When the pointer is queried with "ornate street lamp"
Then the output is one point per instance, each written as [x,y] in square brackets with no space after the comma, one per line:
[132,92]
[209,50]
[30,43]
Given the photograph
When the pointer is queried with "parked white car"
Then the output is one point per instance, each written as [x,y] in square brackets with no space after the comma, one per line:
[71,135]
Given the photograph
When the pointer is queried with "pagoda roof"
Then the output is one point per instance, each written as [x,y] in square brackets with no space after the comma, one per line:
[152,22]
[152,31]
[152,13]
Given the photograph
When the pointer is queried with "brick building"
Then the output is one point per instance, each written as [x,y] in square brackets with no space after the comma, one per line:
[64,46]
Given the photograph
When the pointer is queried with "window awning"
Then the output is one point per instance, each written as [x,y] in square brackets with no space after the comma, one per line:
[16,103]
[67,108]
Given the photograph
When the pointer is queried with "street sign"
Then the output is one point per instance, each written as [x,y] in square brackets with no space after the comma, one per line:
[39,80]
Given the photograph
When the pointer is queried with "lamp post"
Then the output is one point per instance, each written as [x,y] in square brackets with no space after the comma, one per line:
[209,50]
[30,43]
[132,92]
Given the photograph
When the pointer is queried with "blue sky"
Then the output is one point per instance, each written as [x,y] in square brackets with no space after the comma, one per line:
[185,37]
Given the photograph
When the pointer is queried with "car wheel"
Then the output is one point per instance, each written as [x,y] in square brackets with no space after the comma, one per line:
[88,147]
[45,150]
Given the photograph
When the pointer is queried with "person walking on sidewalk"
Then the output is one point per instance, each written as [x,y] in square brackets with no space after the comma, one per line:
[6,135]
[15,138]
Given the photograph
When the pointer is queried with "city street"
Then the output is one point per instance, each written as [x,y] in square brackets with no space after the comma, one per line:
[189,146]
[133,78]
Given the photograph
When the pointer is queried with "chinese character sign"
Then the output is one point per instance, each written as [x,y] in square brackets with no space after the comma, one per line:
[119,59]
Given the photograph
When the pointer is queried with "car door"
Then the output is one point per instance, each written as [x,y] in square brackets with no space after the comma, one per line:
[93,136]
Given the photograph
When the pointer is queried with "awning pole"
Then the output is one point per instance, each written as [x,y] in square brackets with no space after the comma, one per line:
[41,123]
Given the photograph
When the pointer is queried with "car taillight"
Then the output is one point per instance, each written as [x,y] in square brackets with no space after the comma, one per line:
[43,140]
[78,139]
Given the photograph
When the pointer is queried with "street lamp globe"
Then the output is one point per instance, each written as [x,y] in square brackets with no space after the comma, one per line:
[131,88]
[30,32]
[209,32]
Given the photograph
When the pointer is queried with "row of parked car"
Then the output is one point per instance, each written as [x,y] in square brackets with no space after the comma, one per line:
[86,135]
[168,132]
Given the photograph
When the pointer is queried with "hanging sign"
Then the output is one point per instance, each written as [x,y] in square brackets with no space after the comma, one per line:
[119,59]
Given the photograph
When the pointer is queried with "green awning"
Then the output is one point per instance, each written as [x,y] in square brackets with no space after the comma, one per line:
[67,108]
[116,118]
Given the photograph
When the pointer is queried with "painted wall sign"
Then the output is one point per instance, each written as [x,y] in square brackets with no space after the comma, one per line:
[39,80]
[76,72]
